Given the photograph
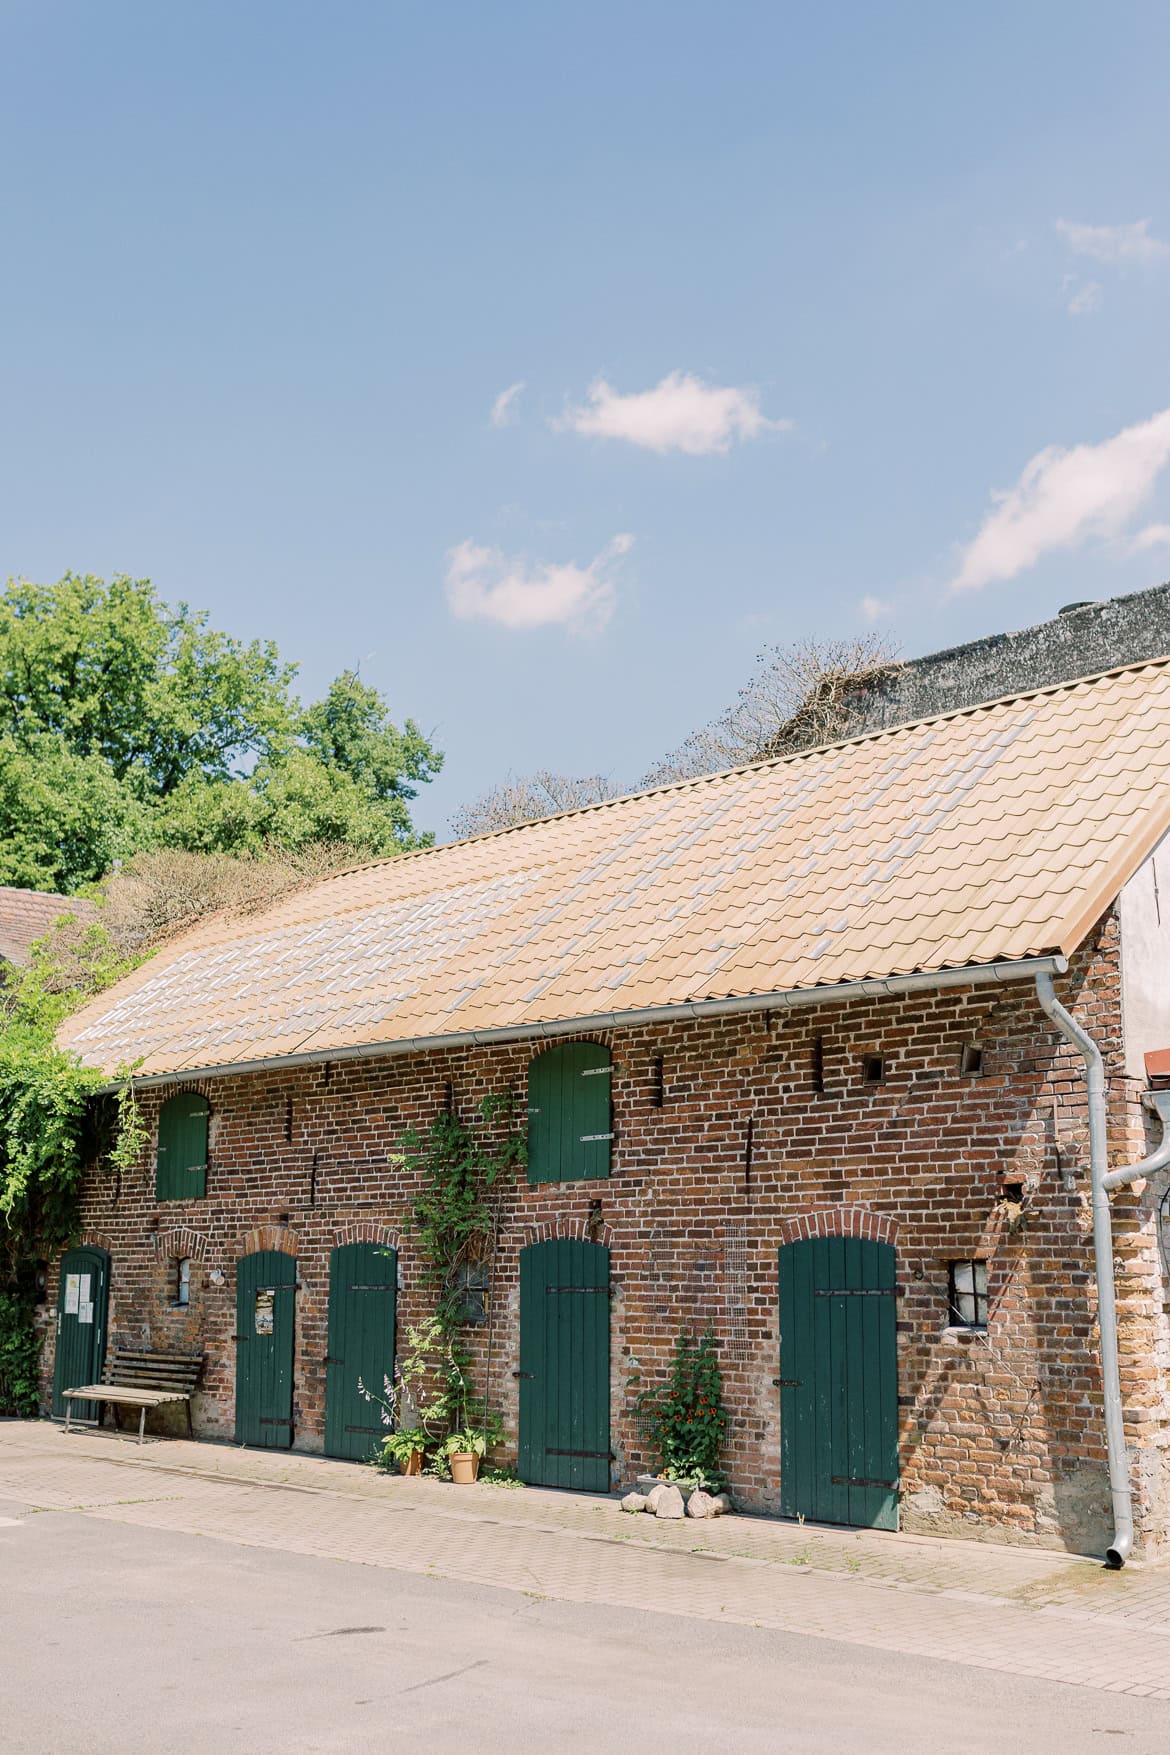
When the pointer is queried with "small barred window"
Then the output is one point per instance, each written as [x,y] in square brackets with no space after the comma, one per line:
[968,1294]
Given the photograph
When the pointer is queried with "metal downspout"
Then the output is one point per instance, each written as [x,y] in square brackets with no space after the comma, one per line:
[1103,1180]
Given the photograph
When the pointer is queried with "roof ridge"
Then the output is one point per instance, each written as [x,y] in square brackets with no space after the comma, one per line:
[801,755]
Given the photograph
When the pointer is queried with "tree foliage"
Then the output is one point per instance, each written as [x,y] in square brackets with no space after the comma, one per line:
[126,724]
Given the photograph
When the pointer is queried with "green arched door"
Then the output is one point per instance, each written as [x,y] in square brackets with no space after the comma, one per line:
[839,1382]
[82,1303]
[363,1303]
[265,1331]
[564,1365]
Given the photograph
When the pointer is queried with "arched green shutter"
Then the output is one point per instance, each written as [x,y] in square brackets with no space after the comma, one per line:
[181,1165]
[569,1116]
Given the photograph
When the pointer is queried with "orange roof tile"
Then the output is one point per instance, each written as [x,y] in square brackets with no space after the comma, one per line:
[26,915]
[994,833]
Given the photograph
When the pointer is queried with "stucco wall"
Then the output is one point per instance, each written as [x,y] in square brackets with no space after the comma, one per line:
[1144,909]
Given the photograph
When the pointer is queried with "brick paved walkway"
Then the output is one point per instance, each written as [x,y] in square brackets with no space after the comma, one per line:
[1018,1610]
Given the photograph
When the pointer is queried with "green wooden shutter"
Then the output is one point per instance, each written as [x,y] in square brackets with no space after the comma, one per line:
[569,1126]
[181,1164]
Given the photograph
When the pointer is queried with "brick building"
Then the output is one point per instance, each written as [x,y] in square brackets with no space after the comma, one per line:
[802,1048]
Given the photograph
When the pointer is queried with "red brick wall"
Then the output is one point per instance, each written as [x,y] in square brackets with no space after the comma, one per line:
[1001,1433]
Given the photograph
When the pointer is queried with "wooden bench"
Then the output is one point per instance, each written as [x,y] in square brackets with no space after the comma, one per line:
[140,1379]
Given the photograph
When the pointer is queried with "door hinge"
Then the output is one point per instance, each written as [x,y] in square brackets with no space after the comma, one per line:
[788,1383]
[524,1374]
[375,1429]
[271,1420]
[860,1481]
[585,1138]
[598,1455]
[330,1360]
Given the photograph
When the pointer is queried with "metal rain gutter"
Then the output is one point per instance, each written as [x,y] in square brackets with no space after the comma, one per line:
[1104,1181]
[790,998]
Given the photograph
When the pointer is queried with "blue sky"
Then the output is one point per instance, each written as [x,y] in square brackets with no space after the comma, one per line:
[791,293]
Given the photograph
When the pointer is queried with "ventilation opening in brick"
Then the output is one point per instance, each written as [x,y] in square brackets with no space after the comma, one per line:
[873,1069]
[818,1065]
[971,1059]
[657,1082]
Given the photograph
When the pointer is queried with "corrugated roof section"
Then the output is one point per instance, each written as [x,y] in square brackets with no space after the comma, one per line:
[996,833]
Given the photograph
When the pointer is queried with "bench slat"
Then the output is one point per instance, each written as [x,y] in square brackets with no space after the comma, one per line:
[139,1398]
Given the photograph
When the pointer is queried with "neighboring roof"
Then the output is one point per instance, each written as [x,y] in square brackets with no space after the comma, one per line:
[26,915]
[1000,832]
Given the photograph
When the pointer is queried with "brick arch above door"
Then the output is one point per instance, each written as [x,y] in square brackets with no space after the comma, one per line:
[95,1240]
[277,1237]
[840,1222]
[366,1231]
[581,1230]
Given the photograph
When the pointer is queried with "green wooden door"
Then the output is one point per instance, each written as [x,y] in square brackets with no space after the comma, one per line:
[564,1365]
[265,1322]
[838,1382]
[82,1303]
[363,1302]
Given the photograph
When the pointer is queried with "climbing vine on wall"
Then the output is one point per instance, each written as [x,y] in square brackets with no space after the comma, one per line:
[463,1168]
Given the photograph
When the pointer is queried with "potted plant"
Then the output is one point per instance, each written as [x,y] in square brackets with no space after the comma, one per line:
[463,1451]
[406,1449]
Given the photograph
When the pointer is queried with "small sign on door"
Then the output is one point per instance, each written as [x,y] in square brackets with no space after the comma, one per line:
[264,1304]
[84,1301]
[72,1292]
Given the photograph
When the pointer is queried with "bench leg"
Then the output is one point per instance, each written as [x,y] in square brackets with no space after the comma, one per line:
[141,1425]
[190,1428]
[68,1412]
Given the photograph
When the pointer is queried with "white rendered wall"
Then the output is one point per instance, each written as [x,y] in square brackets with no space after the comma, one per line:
[1144,908]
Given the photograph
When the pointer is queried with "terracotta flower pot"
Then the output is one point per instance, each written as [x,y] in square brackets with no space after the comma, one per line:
[412,1464]
[464,1467]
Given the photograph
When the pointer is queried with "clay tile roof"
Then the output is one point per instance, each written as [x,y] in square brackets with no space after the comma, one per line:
[26,915]
[999,832]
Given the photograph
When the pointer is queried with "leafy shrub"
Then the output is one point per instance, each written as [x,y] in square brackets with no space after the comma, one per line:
[682,1420]
[19,1357]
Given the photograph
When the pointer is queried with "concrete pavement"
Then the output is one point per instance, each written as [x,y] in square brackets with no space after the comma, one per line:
[100,1525]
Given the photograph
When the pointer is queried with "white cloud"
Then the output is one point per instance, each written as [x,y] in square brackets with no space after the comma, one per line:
[483,584]
[504,406]
[1064,498]
[679,414]
[1084,301]
[1153,536]
[874,609]
[1113,243]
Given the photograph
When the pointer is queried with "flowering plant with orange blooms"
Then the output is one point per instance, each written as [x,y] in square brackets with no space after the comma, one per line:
[682,1420]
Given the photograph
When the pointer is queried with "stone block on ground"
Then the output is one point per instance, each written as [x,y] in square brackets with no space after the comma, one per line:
[699,1504]
[720,1505]
[634,1502]
[670,1503]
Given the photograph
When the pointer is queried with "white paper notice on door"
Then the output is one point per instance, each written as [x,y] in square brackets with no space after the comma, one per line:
[72,1288]
[84,1301]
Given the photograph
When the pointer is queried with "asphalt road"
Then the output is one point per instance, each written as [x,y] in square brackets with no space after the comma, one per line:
[119,1638]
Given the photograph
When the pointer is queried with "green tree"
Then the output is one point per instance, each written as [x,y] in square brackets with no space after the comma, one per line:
[126,724]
